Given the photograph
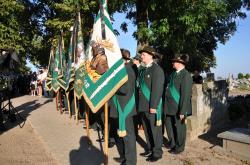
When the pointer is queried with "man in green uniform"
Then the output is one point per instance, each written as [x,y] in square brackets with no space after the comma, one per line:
[151,83]
[122,110]
[136,66]
[178,104]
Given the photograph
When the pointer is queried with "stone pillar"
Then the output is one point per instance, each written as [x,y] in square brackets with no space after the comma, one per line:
[230,82]
[197,101]
[209,108]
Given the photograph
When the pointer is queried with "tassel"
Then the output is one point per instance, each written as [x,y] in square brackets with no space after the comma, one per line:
[158,123]
[122,133]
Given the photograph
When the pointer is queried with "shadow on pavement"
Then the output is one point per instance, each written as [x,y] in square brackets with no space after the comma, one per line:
[86,154]
[21,113]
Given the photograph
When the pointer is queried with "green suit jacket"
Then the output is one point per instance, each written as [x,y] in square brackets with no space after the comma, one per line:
[183,84]
[124,93]
[154,79]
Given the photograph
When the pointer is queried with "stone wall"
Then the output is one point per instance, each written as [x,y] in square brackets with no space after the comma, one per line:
[209,108]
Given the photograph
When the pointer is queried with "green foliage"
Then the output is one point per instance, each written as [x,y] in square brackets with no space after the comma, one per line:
[247,76]
[59,16]
[10,25]
[18,27]
[193,27]
[240,76]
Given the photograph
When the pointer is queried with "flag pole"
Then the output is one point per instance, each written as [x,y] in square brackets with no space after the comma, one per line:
[75,56]
[50,56]
[57,100]
[87,123]
[103,32]
[60,94]
[76,109]
[61,50]
[61,70]
[106,133]
[70,58]
[67,96]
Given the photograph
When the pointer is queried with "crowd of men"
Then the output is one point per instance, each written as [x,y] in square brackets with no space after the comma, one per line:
[146,99]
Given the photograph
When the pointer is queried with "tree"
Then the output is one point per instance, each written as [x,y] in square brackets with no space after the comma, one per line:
[187,26]
[59,15]
[10,25]
[171,26]
[18,28]
[240,76]
[247,76]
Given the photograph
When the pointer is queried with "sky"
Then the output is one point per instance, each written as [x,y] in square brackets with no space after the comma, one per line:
[232,58]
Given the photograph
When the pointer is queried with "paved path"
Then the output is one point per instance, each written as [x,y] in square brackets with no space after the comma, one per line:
[67,141]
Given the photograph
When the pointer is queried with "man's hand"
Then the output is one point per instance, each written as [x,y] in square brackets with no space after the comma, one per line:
[182,117]
[151,110]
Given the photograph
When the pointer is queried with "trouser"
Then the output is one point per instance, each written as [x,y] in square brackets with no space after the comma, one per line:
[152,133]
[130,142]
[118,140]
[72,102]
[97,119]
[44,89]
[1,116]
[80,104]
[176,130]
[137,123]
[81,108]
[126,146]
[1,113]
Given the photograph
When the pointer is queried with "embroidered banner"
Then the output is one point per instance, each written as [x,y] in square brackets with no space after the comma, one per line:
[104,71]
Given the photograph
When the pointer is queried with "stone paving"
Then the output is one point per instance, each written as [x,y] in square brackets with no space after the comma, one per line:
[68,142]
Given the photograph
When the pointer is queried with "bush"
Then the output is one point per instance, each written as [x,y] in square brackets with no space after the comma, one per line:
[247,76]
[240,76]
[236,111]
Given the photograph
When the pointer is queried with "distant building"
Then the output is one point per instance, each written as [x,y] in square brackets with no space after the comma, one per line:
[220,78]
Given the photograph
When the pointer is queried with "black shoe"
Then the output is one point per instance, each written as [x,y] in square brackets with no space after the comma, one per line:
[100,140]
[171,149]
[153,159]
[175,152]
[111,144]
[168,145]
[123,162]
[119,159]
[146,153]
[2,127]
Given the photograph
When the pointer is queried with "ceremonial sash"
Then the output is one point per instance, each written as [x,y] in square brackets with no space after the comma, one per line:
[146,92]
[123,113]
[173,91]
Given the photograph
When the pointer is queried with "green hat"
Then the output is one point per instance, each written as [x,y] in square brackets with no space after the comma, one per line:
[137,57]
[181,58]
[149,50]
[125,54]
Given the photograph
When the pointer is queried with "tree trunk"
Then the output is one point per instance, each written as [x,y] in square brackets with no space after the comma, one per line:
[141,19]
